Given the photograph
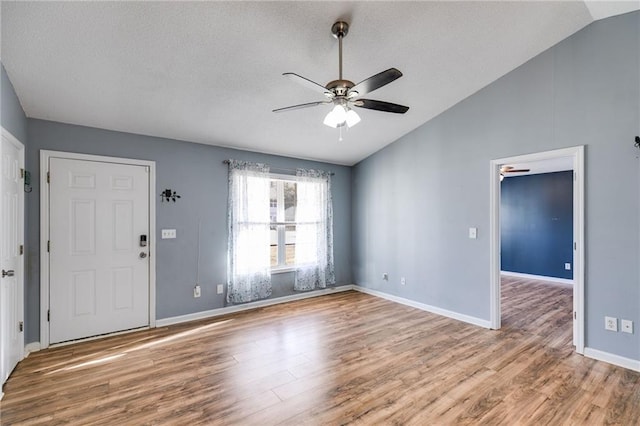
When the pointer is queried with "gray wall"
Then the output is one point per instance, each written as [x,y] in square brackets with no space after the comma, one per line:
[12,116]
[414,200]
[197,173]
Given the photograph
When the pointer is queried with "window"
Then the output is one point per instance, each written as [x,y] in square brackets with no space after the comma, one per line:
[282,214]
[278,223]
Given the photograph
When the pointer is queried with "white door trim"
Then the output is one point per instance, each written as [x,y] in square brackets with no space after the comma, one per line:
[578,234]
[5,134]
[44,231]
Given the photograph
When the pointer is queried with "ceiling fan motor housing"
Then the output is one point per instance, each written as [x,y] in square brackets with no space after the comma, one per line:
[340,87]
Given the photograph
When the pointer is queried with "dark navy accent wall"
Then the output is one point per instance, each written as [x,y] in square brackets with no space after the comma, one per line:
[536,224]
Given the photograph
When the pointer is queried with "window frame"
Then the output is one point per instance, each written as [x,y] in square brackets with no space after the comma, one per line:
[281,225]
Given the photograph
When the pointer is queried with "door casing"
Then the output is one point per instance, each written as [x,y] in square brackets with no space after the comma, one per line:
[577,153]
[19,268]
[45,155]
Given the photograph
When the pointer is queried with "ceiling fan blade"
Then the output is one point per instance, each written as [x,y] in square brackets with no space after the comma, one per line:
[516,171]
[375,82]
[381,106]
[309,84]
[300,106]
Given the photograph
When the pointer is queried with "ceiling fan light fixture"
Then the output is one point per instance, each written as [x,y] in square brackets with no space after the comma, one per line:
[352,118]
[336,117]
[339,113]
[330,121]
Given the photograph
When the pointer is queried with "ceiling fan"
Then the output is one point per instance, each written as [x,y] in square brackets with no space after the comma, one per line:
[511,169]
[344,94]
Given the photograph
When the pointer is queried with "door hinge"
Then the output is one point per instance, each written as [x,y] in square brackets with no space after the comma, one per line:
[20,326]
[21,173]
[48,177]
[575,176]
[21,249]
[575,315]
[48,245]
[49,315]
[575,246]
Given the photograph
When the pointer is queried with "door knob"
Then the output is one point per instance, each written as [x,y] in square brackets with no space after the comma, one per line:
[143,255]
[8,273]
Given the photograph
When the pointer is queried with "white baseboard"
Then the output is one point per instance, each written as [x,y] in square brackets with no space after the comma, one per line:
[618,360]
[268,302]
[31,347]
[433,309]
[251,305]
[536,277]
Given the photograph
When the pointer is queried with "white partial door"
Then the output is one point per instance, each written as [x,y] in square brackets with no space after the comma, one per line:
[99,269]
[11,240]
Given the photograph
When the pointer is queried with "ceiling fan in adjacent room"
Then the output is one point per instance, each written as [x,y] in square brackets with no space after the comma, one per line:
[344,94]
[510,169]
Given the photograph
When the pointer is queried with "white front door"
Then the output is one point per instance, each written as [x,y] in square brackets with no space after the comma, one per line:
[11,240]
[99,269]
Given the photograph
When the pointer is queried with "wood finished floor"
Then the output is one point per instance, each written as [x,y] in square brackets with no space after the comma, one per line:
[346,358]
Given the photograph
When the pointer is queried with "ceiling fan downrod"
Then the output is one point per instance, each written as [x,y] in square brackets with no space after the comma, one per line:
[339,30]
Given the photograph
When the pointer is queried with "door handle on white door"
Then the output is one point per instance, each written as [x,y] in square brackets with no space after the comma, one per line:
[8,273]
[143,255]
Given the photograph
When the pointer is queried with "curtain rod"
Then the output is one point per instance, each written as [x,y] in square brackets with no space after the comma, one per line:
[279,168]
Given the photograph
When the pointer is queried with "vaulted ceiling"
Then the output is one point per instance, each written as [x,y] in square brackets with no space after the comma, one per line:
[211,72]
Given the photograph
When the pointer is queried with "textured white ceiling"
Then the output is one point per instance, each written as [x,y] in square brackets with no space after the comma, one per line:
[210,72]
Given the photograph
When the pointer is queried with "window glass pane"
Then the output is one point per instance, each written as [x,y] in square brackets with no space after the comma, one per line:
[290,245]
[290,201]
[273,233]
[273,201]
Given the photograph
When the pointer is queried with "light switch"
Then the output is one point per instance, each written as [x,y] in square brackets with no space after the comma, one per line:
[168,233]
[473,233]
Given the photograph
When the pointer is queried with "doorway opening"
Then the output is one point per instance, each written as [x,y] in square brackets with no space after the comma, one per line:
[568,158]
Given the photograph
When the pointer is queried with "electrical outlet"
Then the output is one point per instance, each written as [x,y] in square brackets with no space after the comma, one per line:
[220,288]
[385,276]
[611,323]
[626,326]
[403,281]
[196,291]
[567,266]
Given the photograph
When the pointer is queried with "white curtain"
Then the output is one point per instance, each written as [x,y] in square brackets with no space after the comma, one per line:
[314,231]
[249,261]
